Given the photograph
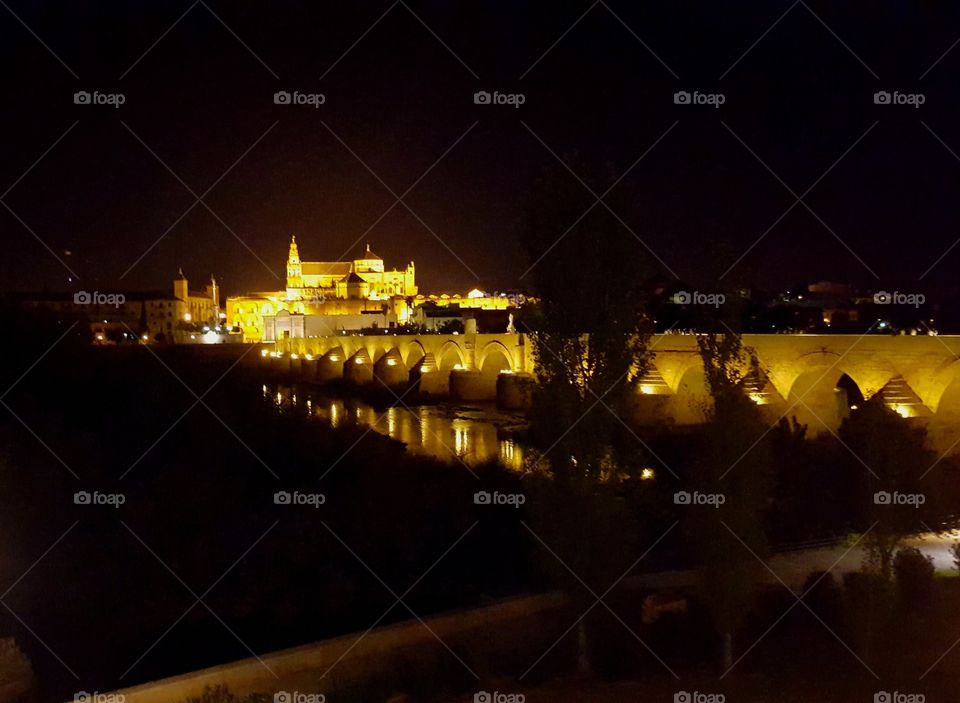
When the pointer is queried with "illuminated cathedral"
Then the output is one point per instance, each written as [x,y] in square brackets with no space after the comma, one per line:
[333,297]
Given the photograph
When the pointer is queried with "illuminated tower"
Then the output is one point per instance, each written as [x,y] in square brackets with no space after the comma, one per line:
[294,270]
[181,290]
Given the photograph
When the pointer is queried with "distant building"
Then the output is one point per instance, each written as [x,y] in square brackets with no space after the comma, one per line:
[115,317]
[344,295]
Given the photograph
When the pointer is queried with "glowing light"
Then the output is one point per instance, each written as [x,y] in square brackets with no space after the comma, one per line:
[424,369]
[264,352]
[334,357]
[146,337]
[853,407]
[476,293]
[756,397]
[391,362]
[294,357]
[903,410]
[458,367]
[99,337]
[646,390]
[647,474]
[309,357]
[358,360]
[187,317]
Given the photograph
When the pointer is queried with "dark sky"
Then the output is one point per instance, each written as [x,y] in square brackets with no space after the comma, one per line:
[800,98]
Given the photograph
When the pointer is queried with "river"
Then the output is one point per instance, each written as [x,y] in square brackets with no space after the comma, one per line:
[472,433]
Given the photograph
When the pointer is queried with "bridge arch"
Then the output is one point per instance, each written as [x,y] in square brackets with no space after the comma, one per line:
[494,358]
[691,400]
[413,353]
[450,356]
[824,386]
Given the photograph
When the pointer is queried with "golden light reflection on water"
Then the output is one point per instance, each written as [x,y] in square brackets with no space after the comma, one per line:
[428,430]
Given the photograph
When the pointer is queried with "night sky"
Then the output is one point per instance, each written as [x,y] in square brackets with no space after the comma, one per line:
[399,79]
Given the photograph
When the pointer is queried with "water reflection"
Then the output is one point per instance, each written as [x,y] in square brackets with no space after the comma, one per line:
[472,435]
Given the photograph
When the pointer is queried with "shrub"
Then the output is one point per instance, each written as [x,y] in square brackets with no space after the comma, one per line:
[955,552]
[914,573]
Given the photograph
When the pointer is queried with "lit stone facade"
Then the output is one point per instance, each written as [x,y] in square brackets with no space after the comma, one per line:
[343,295]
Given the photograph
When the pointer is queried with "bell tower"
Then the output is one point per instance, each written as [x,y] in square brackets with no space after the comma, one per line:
[294,268]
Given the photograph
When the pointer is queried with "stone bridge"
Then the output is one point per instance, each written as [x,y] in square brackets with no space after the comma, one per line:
[464,366]
[818,379]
